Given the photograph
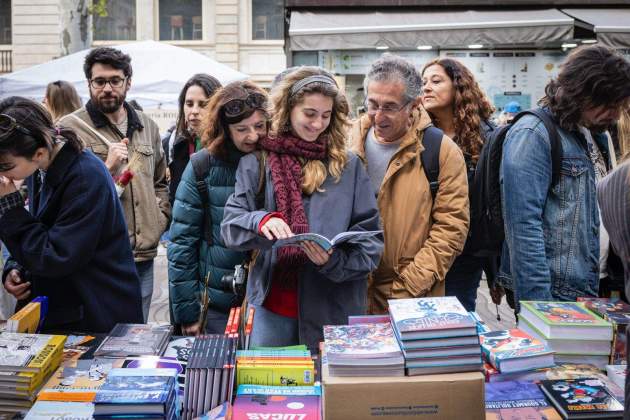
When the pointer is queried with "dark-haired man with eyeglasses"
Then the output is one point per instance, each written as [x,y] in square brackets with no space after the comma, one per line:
[126,140]
[423,232]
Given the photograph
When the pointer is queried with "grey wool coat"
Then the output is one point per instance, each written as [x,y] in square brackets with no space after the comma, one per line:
[326,294]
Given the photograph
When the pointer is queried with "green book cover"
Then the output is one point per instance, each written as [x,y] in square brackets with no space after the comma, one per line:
[565,314]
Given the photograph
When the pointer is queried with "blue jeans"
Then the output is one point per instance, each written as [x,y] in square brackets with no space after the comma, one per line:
[145,272]
[462,280]
[273,330]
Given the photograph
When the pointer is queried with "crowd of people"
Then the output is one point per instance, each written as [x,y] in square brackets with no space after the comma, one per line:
[243,167]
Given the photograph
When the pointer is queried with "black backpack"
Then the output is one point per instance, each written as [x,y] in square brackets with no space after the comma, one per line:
[430,157]
[201,162]
[486,214]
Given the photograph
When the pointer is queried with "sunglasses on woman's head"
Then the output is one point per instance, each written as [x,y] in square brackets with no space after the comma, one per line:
[8,125]
[236,107]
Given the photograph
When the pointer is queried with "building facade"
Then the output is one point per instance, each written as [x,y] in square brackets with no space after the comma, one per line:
[247,35]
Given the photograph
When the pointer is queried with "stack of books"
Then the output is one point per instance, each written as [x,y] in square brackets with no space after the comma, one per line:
[575,334]
[135,340]
[515,351]
[363,350]
[277,402]
[617,312]
[26,362]
[209,374]
[436,335]
[275,367]
[137,393]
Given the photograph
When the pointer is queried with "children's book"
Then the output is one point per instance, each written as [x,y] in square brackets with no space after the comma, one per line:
[325,243]
[586,398]
[424,318]
[47,410]
[135,340]
[617,374]
[567,320]
[516,400]
[513,350]
[277,407]
[360,341]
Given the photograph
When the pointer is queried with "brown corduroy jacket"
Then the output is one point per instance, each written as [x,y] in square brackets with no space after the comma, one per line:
[422,238]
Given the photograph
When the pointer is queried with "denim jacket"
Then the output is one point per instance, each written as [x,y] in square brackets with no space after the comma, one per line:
[551,249]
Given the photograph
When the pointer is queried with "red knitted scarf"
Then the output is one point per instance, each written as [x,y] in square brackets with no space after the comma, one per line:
[286,175]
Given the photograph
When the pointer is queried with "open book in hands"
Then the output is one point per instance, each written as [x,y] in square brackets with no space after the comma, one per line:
[324,242]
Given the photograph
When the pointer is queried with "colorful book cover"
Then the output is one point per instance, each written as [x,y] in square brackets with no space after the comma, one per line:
[277,375]
[618,313]
[514,394]
[277,407]
[368,319]
[135,340]
[439,313]
[564,313]
[28,352]
[46,410]
[79,383]
[482,327]
[581,397]
[360,340]
[26,320]
[246,389]
[273,353]
[510,344]
[136,386]
[152,362]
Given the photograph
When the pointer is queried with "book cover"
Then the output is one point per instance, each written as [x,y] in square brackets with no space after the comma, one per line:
[581,398]
[368,319]
[247,389]
[503,345]
[324,242]
[277,375]
[514,394]
[564,313]
[28,352]
[422,314]
[480,323]
[136,386]
[46,410]
[135,340]
[360,341]
[611,309]
[26,320]
[277,407]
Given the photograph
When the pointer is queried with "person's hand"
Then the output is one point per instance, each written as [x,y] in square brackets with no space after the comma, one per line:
[496,293]
[117,155]
[276,228]
[7,186]
[315,253]
[193,329]
[15,285]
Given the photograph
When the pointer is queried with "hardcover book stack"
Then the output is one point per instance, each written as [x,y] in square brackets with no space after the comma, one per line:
[137,393]
[436,335]
[517,400]
[575,334]
[363,350]
[209,374]
[515,351]
[275,367]
[277,402]
[26,362]
[617,313]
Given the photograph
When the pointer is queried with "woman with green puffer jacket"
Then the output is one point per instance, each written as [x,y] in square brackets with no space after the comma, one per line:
[236,119]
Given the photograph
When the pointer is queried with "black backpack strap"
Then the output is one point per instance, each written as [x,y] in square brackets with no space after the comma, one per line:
[430,157]
[201,166]
[261,156]
[554,140]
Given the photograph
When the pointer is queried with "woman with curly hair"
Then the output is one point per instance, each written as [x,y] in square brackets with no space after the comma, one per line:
[235,120]
[311,184]
[458,106]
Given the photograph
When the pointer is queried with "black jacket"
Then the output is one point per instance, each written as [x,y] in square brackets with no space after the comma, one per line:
[73,246]
[177,157]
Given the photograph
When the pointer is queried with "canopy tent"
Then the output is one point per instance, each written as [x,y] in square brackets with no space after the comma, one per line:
[327,30]
[611,26]
[159,73]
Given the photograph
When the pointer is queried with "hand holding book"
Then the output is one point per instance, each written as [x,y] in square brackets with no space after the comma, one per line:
[323,242]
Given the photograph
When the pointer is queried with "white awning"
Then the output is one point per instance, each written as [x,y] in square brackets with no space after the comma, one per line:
[324,30]
[612,26]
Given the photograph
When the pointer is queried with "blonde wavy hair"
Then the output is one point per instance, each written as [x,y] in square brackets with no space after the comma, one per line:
[314,172]
[623,133]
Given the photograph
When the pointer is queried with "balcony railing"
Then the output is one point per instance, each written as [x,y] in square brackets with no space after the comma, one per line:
[6,61]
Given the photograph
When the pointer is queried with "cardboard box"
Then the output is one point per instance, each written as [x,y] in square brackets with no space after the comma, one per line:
[437,397]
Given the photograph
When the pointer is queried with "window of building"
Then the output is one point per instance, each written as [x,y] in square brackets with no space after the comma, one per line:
[180,20]
[117,22]
[5,22]
[267,19]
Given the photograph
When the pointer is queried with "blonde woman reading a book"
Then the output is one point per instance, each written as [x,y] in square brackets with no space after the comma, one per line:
[311,184]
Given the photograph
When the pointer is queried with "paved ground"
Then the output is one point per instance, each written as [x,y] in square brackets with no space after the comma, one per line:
[485,308]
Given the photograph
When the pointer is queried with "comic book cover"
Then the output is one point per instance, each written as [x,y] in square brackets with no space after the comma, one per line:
[581,398]
[277,406]
[563,313]
[516,400]
[503,345]
[360,341]
[411,317]
[135,340]
[618,313]
[136,386]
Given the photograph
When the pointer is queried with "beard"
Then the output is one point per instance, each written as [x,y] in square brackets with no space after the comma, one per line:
[108,104]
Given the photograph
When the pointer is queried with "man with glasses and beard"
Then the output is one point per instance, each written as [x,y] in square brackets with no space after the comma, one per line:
[129,143]
[425,225]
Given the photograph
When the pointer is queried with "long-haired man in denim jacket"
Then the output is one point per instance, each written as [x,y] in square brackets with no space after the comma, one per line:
[552,229]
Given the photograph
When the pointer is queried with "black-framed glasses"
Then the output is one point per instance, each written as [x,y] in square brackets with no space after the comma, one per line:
[114,82]
[387,109]
[237,107]
[8,125]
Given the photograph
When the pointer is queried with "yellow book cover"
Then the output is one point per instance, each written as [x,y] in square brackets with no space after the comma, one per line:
[37,379]
[276,362]
[274,375]
[25,320]
[45,356]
